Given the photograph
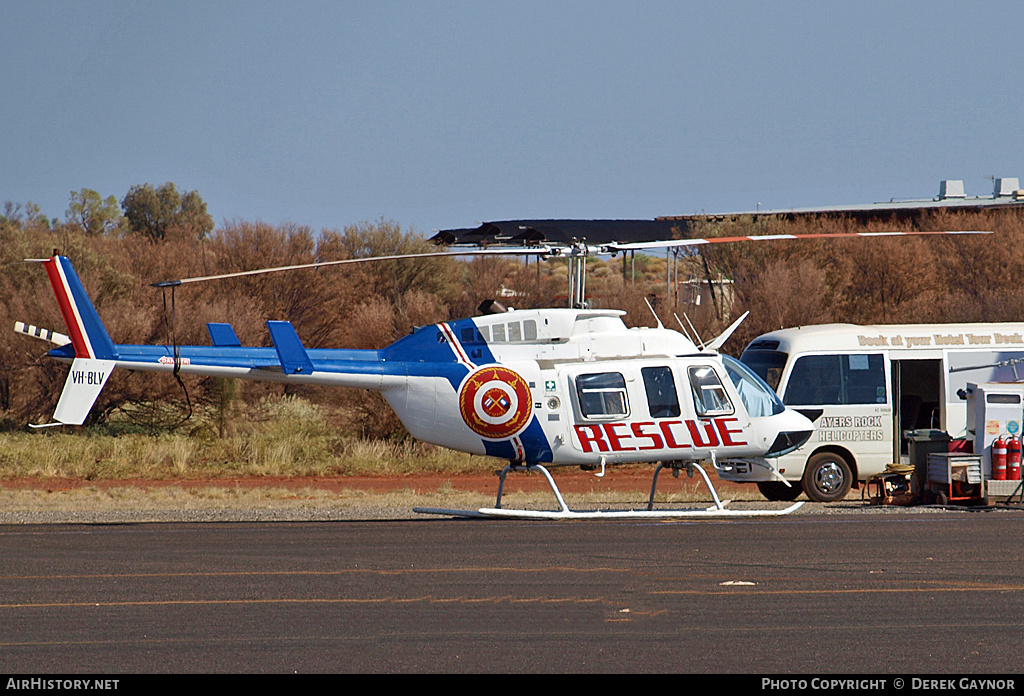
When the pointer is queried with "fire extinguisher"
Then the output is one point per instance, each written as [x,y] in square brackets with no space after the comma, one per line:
[999,459]
[1013,458]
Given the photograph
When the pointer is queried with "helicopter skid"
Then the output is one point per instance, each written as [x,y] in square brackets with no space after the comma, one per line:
[605,514]
[718,510]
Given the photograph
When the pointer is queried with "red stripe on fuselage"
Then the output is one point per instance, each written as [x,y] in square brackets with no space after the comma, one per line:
[460,353]
[68,309]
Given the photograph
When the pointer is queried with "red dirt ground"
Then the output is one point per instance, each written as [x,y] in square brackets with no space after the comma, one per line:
[569,481]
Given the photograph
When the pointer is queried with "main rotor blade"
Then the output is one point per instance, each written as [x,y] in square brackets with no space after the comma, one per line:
[516,251]
[672,243]
[552,250]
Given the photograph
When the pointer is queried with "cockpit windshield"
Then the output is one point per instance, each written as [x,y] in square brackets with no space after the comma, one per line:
[757,397]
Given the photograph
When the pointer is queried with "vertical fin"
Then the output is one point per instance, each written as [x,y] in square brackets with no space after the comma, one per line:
[84,384]
[88,335]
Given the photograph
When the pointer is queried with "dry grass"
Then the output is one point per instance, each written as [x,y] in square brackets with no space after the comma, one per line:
[176,456]
[285,436]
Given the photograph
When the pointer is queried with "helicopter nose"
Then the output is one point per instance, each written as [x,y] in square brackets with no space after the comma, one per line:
[794,430]
[786,442]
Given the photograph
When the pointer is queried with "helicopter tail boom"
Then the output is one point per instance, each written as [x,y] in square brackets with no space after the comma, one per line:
[93,354]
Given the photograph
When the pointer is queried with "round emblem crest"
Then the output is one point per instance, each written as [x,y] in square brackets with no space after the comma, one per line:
[495,402]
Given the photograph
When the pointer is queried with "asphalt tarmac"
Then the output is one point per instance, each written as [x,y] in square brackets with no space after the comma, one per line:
[896,594]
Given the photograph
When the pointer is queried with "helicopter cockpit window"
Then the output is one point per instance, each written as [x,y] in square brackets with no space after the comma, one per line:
[602,395]
[756,396]
[661,392]
[708,393]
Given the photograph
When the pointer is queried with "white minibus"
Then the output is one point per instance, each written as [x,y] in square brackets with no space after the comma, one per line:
[869,390]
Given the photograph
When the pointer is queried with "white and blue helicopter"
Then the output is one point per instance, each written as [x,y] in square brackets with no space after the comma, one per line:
[538,388]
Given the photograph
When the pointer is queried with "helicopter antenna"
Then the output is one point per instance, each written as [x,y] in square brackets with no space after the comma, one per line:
[699,339]
[716,343]
[685,332]
[656,317]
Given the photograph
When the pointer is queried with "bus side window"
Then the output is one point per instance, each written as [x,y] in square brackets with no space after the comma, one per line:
[814,381]
[864,379]
[836,380]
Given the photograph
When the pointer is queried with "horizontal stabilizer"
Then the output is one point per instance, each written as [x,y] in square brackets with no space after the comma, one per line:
[290,350]
[222,335]
[44,334]
[84,384]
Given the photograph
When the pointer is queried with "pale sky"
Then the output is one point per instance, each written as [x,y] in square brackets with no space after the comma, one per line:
[444,114]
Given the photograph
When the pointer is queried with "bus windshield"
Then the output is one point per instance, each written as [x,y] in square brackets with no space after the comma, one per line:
[767,364]
[757,397]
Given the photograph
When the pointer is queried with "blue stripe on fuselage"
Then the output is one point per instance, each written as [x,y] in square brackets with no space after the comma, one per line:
[429,346]
[419,354]
[535,445]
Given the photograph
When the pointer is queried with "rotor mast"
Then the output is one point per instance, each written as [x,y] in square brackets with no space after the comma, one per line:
[577,255]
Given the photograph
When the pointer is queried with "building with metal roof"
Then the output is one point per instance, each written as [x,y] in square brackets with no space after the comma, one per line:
[1007,194]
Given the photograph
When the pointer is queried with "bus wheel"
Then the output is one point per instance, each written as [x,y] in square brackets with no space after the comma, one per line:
[827,478]
[777,490]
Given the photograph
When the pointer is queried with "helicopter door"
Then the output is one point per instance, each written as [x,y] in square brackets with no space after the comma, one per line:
[709,395]
[719,410]
[600,405]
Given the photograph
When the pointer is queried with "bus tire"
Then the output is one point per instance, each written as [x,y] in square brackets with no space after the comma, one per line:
[827,478]
[778,491]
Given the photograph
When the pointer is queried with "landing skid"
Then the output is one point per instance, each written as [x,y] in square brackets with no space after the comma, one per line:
[564,513]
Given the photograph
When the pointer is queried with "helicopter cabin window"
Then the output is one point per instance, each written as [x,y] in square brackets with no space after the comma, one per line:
[708,393]
[661,392]
[530,330]
[602,395]
[512,332]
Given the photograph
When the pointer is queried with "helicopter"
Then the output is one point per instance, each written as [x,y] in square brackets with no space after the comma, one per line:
[538,388]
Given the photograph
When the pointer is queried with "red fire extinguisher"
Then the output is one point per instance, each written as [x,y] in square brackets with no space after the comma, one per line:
[999,459]
[1013,458]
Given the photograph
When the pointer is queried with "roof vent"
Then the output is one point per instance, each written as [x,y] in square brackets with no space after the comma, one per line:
[951,188]
[1006,187]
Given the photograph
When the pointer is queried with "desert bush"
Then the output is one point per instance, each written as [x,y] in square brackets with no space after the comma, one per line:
[370,305]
